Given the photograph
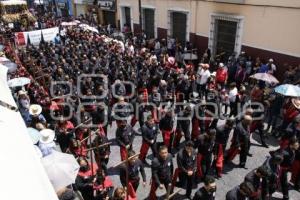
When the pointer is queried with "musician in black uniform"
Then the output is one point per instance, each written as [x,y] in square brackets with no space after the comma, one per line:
[222,135]
[183,126]
[270,183]
[288,159]
[187,167]
[241,192]
[208,191]
[125,135]
[162,171]
[166,125]
[205,144]
[133,167]
[102,153]
[149,133]
[255,177]
[241,139]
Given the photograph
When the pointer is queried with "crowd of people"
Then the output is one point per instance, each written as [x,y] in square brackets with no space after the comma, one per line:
[84,82]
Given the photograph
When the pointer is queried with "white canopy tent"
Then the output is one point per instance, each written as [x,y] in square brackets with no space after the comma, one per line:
[22,174]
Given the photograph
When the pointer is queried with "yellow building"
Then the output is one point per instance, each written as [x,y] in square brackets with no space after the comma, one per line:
[265,28]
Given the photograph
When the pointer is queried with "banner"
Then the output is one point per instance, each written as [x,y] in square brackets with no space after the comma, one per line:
[50,33]
[35,37]
[107,4]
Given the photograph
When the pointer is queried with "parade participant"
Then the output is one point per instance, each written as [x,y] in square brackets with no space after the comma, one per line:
[208,191]
[64,133]
[121,194]
[35,116]
[232,96]
[222,135]
[149,133]
[162,171]
[102,186]
[295,130]
[205,145]
[221,76]
[183,126]
[85,177]
[166,125]
[187,166]
[125,135]
[241,192]
[131,171]
[255,177]
[271,183]
[288,159]
[241,141]
[224,101]
[46,143]
[101,153]
[202,77]
[291,109]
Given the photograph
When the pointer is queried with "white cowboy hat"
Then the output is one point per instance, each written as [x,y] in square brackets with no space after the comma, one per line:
[213,74]
[47,136]
[35,109]
[22,92]
[296,103]
[221,65]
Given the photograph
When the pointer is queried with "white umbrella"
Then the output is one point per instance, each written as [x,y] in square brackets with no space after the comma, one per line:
[72,23]
[88,28]
[288,90]
[61,168]
[4,59]
[11,66]
[269,78]
[18,82]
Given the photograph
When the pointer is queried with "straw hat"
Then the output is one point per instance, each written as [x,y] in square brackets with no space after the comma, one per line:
[296,103]
[35,109]
[47,136]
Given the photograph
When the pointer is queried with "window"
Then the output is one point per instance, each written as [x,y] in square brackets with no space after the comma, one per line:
[178,26]
[225,34]
[148,22]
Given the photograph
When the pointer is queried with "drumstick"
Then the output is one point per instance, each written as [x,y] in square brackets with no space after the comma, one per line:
[84,139]
[124,161]
[100,146]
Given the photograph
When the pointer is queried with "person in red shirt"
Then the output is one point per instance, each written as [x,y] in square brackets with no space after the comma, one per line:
[221,75]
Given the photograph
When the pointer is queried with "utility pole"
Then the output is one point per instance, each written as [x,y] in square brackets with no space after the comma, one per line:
[140,15]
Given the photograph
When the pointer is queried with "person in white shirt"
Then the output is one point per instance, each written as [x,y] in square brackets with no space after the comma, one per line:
[232,95]
[272,66]
[202,77]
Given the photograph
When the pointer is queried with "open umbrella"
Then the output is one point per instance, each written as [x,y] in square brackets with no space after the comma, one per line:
[34,135]
[190,56]
[269,78]
[11,66]
[88,28]
[61,168]
[18,82]
[288,90]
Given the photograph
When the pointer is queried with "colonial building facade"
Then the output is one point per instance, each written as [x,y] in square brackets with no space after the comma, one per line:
[265,28]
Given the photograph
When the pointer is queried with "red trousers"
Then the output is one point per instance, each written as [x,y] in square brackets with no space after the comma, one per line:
[220,159]
[144,150]
[167,137]
[133,121]
[178,136]
[123,153]
[232,152]
[295,172]
[199,166]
